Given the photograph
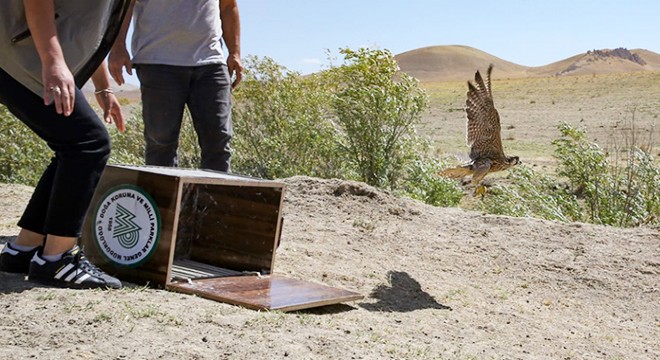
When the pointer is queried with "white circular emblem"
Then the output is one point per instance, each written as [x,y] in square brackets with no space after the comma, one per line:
[127,225]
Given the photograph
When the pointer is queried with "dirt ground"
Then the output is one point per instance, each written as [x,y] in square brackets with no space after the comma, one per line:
[439,283]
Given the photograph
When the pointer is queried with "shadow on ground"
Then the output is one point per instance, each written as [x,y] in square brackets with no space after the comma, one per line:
[402,294]
[15,283]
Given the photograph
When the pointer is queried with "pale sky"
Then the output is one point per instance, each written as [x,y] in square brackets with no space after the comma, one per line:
[297,33]
[532,33]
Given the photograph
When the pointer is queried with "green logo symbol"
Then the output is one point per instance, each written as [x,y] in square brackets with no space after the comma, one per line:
[126,231]
[127,225]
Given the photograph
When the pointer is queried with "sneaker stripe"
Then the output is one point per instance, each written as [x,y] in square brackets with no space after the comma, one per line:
[38,260]
[73,275]
[82,278]
[64,271]
[72,271]
[8,250]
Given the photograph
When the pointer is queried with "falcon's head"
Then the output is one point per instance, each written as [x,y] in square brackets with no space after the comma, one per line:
[513,160]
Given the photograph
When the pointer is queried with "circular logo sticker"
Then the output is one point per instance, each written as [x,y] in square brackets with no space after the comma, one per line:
[127,225]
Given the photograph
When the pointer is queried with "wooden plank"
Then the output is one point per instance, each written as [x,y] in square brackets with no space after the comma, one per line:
[229,226]
[201,175]
[266,292]
[233,259]
[164,190]
[254,203]
[188,269]
[174,230]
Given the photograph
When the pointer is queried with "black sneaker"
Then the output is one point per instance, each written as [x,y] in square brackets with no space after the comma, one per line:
[16,261]
[73,270]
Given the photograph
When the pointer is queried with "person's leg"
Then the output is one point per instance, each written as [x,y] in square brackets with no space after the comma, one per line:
[164,92]
[36,213]
[210,108]
[82,146]
[58,205]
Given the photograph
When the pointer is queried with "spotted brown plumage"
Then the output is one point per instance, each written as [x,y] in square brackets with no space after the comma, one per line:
[483,133]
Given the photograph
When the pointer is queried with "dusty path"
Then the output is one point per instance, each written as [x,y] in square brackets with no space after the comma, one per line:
[439,283]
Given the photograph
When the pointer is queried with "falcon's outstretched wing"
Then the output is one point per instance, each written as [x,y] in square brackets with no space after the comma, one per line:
[483,121]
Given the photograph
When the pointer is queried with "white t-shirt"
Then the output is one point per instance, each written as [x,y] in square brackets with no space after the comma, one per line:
[177,32]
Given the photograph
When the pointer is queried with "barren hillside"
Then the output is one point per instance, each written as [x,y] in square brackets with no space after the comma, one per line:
[455,62]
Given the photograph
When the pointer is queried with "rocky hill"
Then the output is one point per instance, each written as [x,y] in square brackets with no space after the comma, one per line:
[456,62]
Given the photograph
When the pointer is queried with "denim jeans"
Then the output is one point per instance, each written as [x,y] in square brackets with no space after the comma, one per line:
[206,90]
[81,145]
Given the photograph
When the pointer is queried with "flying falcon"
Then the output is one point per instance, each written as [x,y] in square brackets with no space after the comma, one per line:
[483,135]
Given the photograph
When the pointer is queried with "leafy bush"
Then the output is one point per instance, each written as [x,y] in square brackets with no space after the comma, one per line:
[532,195]
[613,194]
[128,147]
[423,183]
[23,155]
[282,124]
[377,108]
[355,121]
[597,191]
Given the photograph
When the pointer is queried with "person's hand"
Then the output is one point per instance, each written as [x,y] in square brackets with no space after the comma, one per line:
[59,87]
[111,109]
[117,61]
[235,68]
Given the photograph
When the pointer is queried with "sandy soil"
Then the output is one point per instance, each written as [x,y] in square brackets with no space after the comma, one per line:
[439,283]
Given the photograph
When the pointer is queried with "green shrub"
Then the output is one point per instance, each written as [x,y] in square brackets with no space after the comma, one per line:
[529,194]
[282,124]
[619,195]
[624,195]
[378,109]
[423,183]
[128,147]
[23,155]
[355,121]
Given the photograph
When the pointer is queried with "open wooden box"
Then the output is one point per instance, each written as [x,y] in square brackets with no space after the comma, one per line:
[196,231]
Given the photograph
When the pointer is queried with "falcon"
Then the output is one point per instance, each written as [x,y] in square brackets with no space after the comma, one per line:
[483,135]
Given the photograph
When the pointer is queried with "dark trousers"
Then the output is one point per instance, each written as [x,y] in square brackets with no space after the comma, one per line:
[206,90]
[81,145]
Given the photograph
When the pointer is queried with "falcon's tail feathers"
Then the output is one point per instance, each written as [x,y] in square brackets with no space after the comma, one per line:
[457,172]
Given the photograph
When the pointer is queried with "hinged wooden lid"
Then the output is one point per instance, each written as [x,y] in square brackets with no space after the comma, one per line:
[270,292]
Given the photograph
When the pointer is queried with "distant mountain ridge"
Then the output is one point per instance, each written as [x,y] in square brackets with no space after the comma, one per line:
[458,62]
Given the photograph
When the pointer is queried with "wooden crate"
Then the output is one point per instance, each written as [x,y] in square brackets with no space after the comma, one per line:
[195,231]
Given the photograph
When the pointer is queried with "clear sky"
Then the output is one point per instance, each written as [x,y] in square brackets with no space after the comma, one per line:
[297,33]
